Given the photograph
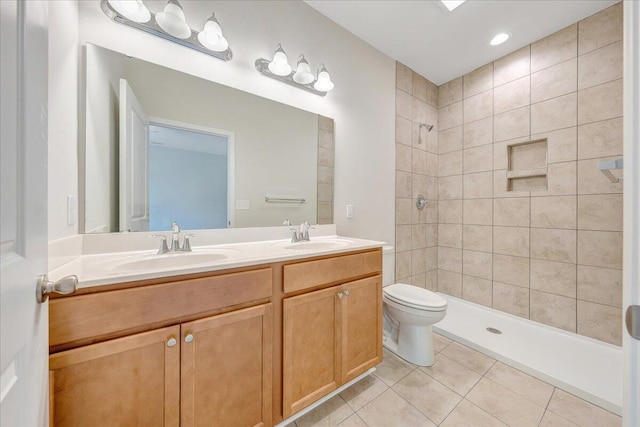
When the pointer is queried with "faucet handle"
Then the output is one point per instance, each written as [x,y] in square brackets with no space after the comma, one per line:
[175,228]
[163,245]
[186,246]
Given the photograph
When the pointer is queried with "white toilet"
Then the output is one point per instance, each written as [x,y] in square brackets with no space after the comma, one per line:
[409,312]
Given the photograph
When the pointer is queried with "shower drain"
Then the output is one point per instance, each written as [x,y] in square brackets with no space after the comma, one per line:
[494,330]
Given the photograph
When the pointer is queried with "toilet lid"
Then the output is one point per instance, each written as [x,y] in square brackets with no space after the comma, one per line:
[414,296]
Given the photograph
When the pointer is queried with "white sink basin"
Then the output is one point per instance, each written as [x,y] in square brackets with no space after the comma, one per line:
[170,260]
[316,245]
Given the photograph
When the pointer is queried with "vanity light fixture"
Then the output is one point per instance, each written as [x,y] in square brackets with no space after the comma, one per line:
[134,10]
[499,39]
[302,78]
[170,24]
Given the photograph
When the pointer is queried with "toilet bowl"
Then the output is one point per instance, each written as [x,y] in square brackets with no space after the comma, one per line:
[409,312]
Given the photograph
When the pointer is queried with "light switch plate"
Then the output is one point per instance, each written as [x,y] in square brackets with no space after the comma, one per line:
[72,210]
[242,205]
[349,211]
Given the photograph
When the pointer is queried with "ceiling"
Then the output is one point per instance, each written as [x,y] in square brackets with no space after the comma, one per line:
[443,45]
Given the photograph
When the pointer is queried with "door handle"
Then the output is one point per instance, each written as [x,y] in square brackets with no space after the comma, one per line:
[44,287]
[632,319]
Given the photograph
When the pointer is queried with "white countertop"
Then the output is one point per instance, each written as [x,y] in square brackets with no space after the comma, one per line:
[110,268]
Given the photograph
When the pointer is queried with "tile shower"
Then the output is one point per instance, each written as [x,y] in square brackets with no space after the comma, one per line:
[549,251]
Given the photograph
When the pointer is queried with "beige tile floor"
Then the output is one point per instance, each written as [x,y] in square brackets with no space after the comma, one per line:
[463,388]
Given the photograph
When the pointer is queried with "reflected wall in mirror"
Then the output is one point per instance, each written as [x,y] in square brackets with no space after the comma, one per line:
[161,146]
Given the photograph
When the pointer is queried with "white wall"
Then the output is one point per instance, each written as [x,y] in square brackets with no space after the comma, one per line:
[362,104]
[63,114]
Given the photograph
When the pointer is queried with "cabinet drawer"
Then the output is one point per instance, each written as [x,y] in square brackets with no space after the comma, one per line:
[340,269]
[107,314]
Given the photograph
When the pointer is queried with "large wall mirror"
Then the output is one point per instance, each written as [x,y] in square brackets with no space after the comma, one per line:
[161,146]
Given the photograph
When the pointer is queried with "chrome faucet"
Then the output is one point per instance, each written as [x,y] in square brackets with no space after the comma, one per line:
[300,234]
[175,233]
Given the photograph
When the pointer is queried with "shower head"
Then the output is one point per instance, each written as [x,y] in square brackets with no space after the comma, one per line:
[429,127]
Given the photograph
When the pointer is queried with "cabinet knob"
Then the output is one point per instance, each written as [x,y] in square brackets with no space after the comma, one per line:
[171,342]
[188,338]
[346,293]
[340,295]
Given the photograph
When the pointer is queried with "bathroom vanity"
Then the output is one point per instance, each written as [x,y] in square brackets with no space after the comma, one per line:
[244,341]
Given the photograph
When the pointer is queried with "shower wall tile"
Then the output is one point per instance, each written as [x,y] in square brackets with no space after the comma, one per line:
[557,80]
[418,261]
[419,86]
[511,270]
[553,310]
[477,238]
[477,290]
[511,212]
[403,184]
[600,66]
[556,113]
[553,244]
[403,265]
[600,102]
[450,283]
[599,321]
[554,254]
[403,130]
[511,241]
[478,159]
[404,104]
[513,66]
[477,264]
[600,248]
[601,139]
[478,133]
[403,157]
[478,107]
[600,29]
[450,235]
[513,95]
[554,212]
[562,145]
[554,49]
[478,212]
[419,111]
[479,80]
[512,124]
[603,212]
[450,92]
[450,116]
[592,181]
[600,285]
[418,236]
[404,77]
[450,163]
[558,278]
[403,238]
[432,94]
[450,140]
[511,299]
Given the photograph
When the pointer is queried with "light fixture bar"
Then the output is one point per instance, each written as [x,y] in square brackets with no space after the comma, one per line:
[152,27]
[262,65]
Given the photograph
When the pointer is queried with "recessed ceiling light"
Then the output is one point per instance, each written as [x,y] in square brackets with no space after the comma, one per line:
[452,4]
[499,39]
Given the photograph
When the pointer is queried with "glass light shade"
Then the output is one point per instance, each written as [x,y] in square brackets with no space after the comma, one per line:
[303,72]
[211,37]
[280,65]
[133,10]
[172,20]
[324,83]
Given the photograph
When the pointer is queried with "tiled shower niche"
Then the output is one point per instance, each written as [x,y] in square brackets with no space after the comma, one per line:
[527,166]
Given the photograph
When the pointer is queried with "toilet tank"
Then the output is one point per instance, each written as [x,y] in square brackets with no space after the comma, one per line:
[388,265]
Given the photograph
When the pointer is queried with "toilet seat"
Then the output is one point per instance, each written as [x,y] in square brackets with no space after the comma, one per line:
[414,297]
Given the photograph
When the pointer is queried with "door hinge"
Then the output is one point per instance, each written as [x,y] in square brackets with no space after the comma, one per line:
[633,321]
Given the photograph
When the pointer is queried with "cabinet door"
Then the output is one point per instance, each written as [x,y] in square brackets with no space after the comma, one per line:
[361,326]
[131,381]
[226,369]
[311,348]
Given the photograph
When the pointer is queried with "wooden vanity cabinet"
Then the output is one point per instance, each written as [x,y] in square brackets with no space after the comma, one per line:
[210,372]
[332,335]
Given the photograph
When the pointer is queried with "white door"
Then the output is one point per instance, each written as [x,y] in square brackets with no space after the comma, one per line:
[134,136]
[631,290]
[23,216]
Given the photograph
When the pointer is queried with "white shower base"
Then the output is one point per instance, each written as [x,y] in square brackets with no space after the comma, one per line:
[588,368]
